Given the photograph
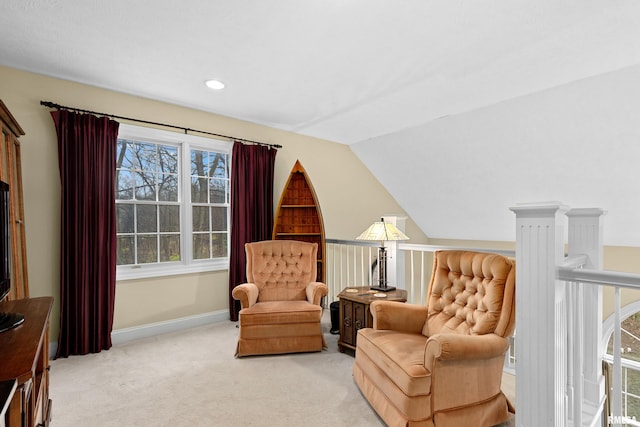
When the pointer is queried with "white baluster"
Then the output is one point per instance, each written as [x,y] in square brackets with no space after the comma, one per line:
[586,238]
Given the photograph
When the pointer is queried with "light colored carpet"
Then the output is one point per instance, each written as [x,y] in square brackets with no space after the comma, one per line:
[191,378]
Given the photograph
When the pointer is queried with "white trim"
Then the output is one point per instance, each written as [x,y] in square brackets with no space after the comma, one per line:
[121,336]
[129,272]
[174,325]
[609,323]
[161,136]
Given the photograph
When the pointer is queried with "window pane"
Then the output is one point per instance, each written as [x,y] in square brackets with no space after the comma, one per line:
[169,218]
[168,188]
[124,218]
[200,218]
[198,190]
[124,154]
[124,185]
[126,251]
[219,243]
[145,157]
[218,165]
[169,247]
[147,219]
[168,159]
[633,390]
[145,186]
[147,249]
[201,246]
[218,219]
[199,163]
[218,190]
[628,341]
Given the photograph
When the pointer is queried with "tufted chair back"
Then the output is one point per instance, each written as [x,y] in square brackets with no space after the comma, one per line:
[471,293]
[281,269]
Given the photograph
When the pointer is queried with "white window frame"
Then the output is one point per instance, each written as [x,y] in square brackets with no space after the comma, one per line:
[185,143]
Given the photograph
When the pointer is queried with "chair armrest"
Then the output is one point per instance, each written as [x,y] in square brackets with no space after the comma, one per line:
[315,291]
[398,316]
[246,293]
[463,347]
[465,369]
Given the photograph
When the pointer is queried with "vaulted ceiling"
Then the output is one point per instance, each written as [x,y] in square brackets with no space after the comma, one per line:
[533,96]
[341,70]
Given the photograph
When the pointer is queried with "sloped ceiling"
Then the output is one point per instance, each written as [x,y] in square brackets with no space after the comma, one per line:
[341,70]
[361,72]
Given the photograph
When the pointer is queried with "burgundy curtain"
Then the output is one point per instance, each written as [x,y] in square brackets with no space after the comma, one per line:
[86,157]
[252,172]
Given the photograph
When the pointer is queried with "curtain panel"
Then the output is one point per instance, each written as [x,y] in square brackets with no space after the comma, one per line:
[86,158]
[252,173]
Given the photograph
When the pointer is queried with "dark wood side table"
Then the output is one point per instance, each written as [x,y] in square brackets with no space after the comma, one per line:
[355,314]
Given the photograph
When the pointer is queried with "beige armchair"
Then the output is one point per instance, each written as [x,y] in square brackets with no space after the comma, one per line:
[280,306]
[441,364]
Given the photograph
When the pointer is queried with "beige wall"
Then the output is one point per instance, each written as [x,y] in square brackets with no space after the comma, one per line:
[350,197]
[625,259]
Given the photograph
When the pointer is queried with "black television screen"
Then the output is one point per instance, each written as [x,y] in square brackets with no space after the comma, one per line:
[8,320]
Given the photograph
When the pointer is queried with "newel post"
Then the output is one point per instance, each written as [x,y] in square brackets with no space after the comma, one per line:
[540,318]
[586,238]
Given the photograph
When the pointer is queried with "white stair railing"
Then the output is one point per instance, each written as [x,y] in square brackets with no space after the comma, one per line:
[559,351]
[350,263]
[559,303]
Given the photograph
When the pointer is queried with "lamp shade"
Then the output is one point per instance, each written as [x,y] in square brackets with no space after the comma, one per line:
[382,231]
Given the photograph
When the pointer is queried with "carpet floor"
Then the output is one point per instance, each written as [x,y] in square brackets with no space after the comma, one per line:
[191,378]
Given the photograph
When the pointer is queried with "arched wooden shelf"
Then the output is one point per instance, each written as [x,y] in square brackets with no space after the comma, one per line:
[299,217]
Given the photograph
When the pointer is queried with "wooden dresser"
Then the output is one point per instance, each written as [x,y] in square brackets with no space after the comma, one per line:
[24,356]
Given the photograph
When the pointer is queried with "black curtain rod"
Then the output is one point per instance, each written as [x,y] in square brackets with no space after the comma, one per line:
[79,110]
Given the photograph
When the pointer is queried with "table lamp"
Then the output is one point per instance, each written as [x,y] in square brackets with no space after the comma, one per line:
[382,231]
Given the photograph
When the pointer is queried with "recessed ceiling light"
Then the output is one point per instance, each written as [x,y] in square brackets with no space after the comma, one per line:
[214,84]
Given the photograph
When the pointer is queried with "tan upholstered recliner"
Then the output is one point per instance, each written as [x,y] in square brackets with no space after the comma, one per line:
[441,364]
[281,310]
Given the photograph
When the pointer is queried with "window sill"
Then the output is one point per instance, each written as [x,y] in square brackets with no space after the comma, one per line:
[154,270]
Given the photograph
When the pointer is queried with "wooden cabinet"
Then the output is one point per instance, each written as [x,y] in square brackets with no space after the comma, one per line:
[24,356]
[24,350]
[355,312]
[298,216]
[11,173]
[7,391]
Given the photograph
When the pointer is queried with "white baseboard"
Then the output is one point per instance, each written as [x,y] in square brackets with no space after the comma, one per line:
[120,336]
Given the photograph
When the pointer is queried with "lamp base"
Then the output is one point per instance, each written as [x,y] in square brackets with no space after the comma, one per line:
[383,289]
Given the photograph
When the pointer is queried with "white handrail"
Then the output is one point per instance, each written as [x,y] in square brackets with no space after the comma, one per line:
[434,248]
[600,277]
